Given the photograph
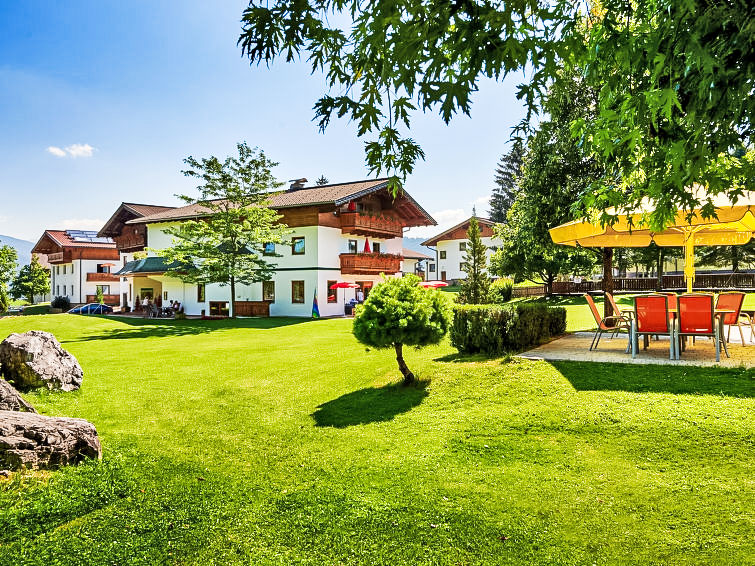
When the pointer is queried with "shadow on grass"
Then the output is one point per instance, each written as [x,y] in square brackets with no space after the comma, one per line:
[370,405]
[458,357]
[681,380]
[160,328]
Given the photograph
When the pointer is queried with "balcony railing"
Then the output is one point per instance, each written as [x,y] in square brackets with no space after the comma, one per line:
[365,225]
[54,257]
[366,264]
[108,277]
[112,300]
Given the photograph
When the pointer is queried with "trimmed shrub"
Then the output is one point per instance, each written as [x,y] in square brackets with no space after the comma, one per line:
[500,291]
[495,330]
[62,303]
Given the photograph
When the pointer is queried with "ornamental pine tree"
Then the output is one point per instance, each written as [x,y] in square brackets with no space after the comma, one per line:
[399,312]
[32,280]
[506,179]
[226,244]
[474,289]
[323,180]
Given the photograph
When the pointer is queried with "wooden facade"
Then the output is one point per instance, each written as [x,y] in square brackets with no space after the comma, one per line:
[251,308]
[370,264]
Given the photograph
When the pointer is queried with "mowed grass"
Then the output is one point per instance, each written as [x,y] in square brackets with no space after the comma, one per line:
[285,442]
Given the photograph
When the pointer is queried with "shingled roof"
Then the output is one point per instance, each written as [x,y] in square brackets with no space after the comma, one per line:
[442,236]
[335,194]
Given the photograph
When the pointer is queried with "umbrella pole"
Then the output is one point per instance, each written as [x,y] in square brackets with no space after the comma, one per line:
[689,260]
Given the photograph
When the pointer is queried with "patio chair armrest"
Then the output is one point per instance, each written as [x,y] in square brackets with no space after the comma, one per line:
[628,313]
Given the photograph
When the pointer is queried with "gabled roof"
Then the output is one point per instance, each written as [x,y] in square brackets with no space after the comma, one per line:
[64,239]
[335,194]
[127,211]
[413,254]
[435,239]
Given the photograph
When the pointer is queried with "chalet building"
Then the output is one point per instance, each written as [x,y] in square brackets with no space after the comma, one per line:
[129,239]
[80,262]
[451,248]
[349,232]
[415,263]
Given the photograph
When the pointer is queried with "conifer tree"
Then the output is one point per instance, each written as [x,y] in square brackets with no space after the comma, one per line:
[506,181]
[323,180]
[474,289]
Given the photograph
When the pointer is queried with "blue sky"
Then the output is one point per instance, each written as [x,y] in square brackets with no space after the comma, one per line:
[101,101]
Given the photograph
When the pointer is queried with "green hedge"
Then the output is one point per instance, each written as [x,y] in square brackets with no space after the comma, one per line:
[494,329]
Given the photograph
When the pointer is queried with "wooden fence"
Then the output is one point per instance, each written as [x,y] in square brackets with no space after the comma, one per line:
[703,282]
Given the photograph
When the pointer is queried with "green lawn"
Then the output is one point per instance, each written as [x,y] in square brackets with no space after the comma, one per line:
[285,442]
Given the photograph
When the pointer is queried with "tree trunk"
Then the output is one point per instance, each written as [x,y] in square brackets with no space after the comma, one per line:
[661,258]
[607,280]
[549,284]
[231,310]
[405,371]
[734,258]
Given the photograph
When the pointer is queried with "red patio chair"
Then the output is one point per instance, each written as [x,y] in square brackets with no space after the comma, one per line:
[733,302]
[652,318]
[697,317]
[611,324]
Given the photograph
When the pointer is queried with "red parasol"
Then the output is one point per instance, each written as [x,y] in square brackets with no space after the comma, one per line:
[367,248]
[344,285]
[433,284]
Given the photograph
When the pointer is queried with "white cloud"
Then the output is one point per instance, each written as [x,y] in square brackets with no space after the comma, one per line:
[80,150]
[83,224]
[482,204]
[56,151]
[73,150]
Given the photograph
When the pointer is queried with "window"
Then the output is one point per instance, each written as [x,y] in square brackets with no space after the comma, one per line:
[57,290]
[57,270]
[219,308]
[268,291]
[297,291]
[146,292]
[431,267]
[200,293]
[333,293]
[443,254]
[462,246]
[72,266]
[72,290]
[105,289]
[352,248]
[165,295]
[64,270]
[376,247]
[103,268]
[269,249]
[297,246]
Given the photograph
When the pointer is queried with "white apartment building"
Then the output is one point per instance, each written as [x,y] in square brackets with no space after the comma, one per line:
[346,232]
[451,247]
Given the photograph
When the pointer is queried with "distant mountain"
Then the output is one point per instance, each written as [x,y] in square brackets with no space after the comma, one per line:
[415,244]
[22,247]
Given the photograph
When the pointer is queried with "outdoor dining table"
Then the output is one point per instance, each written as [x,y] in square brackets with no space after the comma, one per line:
[719,315]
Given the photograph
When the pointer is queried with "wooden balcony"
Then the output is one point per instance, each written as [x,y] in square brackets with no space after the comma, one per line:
[382,226]
[112,300]
[103,277]
[370,264]
[56,257]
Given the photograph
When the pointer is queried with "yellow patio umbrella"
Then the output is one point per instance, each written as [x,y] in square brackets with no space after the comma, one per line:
[734,226]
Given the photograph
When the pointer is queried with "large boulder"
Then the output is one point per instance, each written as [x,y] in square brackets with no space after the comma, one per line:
[36,359]
[11,400]
[35,441]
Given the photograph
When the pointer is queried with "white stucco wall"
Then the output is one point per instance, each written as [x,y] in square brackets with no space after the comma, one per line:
[454,257]
[73,283]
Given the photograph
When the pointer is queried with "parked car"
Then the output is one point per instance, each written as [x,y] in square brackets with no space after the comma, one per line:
[91,308]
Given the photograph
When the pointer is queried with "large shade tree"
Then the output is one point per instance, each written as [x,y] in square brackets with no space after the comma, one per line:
[554,172]
[229,243]
[675,79]
[8,265]
[32,280]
